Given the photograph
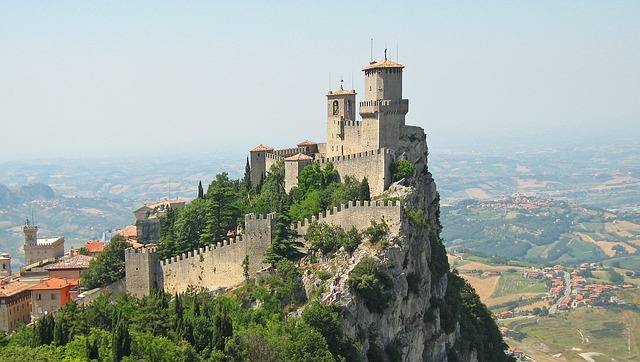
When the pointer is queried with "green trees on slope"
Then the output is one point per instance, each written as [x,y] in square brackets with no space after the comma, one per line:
[108,266]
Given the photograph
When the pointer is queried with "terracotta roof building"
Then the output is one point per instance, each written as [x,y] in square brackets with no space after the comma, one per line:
[15,305]
[50,295]
[69,268]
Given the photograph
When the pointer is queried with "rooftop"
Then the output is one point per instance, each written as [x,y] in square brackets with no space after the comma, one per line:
[76,262]
[94,246]
[9,289]
[385,63]
[51,284]
[48,241]
[299,157]
[261,147]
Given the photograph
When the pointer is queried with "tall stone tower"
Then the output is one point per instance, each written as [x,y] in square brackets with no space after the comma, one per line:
[341,115]
[383,110]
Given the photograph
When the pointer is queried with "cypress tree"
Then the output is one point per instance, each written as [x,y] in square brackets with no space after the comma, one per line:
[364,194]
[246,181]
[121,343]
[200,190]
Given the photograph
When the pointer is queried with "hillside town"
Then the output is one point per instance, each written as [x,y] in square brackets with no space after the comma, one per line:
[52,276]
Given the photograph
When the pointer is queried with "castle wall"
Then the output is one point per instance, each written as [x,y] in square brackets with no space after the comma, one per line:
[374,165]
[358,214]
[215,266]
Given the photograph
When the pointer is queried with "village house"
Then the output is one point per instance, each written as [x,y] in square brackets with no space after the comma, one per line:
[50,295]
[69,268]
[15,304]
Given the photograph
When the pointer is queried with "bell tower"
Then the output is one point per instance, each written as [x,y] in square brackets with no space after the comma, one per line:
[341,113]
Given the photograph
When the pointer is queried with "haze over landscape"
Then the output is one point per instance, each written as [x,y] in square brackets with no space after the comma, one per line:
[84,80]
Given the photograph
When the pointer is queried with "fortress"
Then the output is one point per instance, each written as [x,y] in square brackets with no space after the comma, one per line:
[357,148]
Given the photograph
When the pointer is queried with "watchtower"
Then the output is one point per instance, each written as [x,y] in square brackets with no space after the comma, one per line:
[142,270]
[259,162]
[383,110]
[341,112]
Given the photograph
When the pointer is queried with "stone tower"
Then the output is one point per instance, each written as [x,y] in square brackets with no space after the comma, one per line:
[142,271]
[341,114]
[5,265]
[259,163]
[383,110]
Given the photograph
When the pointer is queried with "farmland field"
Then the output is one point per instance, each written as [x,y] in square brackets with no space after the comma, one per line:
[612,334]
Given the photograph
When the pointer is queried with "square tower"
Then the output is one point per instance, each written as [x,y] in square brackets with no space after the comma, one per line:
[383,110]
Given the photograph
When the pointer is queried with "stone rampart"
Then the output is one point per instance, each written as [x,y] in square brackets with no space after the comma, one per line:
[358,214]
[215,266]
[286,152]
[375,165]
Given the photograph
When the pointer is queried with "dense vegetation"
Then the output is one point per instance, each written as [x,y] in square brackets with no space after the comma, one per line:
[194,326]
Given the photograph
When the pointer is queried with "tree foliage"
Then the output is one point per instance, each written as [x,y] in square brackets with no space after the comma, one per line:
[108,266]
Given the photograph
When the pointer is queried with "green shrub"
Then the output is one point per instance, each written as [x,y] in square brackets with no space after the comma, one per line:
[372,283]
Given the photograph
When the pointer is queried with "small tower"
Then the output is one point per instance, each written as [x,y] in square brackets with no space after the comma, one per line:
[5,265]
[30,234]
[341,112]
[259,162]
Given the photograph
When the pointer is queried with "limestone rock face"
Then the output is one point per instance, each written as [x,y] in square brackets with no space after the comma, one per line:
[409,329]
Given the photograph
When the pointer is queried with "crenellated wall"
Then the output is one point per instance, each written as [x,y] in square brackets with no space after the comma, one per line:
[375,165]
[215,266]
[358,214]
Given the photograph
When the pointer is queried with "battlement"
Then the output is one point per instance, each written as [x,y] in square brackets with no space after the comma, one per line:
[252,216]
[355,156]
[349,123]
[358,214]
[273,156]
[286,152]
[141,251]
[389,106]
[201,251]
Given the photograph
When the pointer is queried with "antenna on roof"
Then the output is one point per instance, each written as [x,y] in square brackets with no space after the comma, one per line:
[341,80]
[371,49]
[385,51]
[329,81]
[33,220]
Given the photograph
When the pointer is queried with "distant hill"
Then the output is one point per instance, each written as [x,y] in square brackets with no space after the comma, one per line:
[27,193]
[541,231]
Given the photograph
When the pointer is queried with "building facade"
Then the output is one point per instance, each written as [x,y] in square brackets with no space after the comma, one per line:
[38,249]
[15,305]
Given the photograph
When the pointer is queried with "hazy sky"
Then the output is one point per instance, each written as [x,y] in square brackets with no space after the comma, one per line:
[85,79]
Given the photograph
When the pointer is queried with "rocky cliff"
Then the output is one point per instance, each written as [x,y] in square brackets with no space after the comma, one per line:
[414,319]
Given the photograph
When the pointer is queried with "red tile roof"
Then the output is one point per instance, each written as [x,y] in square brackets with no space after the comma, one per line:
[261,147]
[9,289]
[76,262]
[94,246]
[51,284]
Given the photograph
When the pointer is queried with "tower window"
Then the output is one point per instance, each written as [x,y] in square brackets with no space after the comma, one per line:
[335,107]
[349,106]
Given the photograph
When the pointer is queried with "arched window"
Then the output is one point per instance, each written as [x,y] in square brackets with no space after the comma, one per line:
[335,108]
[348,106]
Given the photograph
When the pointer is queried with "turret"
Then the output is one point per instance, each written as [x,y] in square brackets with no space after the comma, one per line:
[5,265]
[30,234]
